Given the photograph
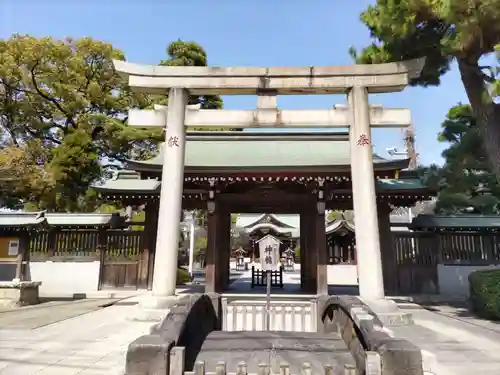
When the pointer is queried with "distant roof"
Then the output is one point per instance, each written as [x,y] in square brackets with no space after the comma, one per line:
[229,150]
[250,220]
[43,219]
[336,225]
[463,222]
[126,180]
[278,223]
[291,223]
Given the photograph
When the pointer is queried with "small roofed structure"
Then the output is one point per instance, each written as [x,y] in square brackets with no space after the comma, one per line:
[240,260]
[288,260]
[240,251]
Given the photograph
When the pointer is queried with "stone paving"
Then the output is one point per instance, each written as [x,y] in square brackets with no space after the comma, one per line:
[36,316]
[453,344]
[89,344]
[84,337]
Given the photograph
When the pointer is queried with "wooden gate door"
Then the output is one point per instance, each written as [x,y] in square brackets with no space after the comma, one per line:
[416,262]
[123,263]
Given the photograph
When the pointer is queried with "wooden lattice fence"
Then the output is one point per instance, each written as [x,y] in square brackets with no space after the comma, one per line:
[417,255]
[121,253]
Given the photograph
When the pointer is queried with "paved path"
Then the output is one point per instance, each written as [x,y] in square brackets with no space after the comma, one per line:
[461,345]
[274,348]
[36,316]
[94,343]
[291,281]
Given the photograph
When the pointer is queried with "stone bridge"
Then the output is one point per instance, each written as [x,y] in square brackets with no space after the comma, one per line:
[343,336]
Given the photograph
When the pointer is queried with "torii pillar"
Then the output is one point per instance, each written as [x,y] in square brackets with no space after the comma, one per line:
[172,183]
[371,282]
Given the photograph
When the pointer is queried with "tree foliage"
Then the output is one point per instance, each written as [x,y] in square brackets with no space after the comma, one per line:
[181,53]
[467,31]
[63,113]
[466,179]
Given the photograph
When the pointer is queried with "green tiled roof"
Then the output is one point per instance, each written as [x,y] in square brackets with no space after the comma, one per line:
[456,222]
[25,219]
[129,181]
[240,150]
[21,219]
[400,184]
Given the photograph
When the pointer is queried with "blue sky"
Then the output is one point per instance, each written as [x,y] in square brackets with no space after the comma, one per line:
[239,32]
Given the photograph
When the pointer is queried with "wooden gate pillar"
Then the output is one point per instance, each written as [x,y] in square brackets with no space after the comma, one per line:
[146,261]
[321,252]
[387,249]
[213,255]
[308,251]
[150,230]
[223,248]
[303,245]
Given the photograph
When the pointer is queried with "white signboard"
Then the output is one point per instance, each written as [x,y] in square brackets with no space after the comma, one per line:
[13,247]
[269,252]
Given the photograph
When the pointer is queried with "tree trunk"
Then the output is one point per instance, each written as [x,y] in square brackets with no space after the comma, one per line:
[487,112]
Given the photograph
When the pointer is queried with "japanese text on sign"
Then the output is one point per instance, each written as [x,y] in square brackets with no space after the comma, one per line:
[173,141]
[363,140]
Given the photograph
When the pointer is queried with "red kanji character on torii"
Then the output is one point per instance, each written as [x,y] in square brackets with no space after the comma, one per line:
[363,140]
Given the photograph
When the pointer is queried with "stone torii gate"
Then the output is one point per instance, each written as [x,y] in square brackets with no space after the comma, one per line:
[356,81]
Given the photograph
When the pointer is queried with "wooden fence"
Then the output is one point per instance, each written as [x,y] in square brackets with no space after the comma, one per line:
[61,244]
[124,263]
[117,244]
[426,248]
[413,267]
[417,255]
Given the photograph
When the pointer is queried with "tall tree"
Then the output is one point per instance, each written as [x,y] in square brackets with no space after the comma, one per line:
[466,178]
[63,113]
[62,117]
[467,31]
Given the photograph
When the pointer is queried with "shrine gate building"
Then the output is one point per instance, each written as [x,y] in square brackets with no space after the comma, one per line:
[279,173]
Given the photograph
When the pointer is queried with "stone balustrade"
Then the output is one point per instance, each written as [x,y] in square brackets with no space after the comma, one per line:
[372,348]
[187,324]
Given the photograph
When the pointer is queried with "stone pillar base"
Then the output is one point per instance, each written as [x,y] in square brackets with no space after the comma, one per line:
[388,312]
[19,293]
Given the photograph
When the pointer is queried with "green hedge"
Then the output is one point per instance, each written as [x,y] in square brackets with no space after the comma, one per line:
[484,293]
[182,276]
